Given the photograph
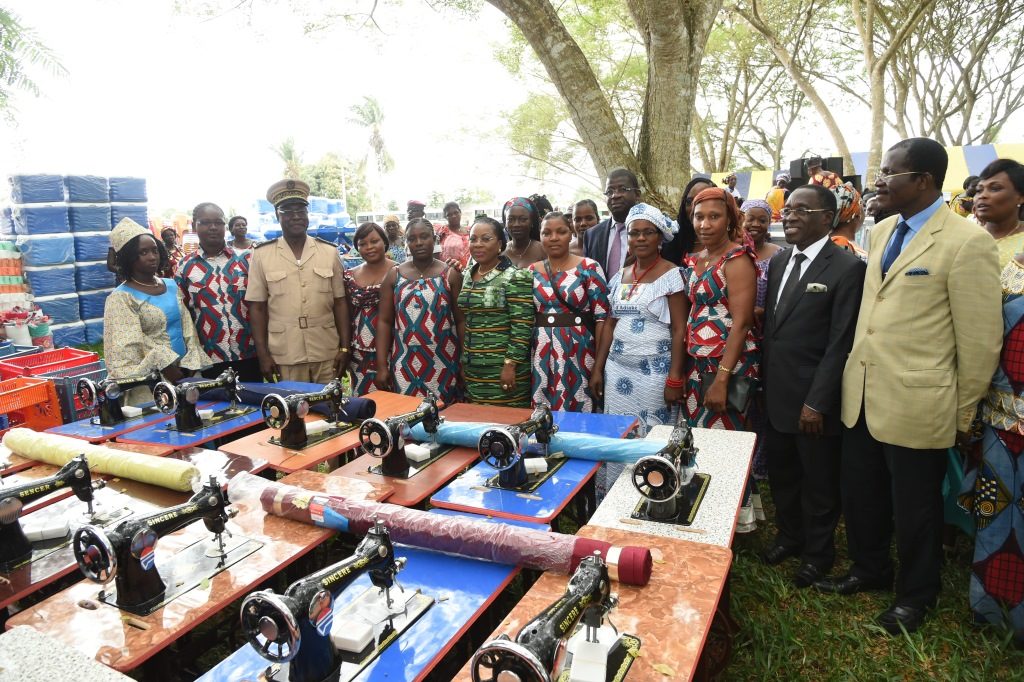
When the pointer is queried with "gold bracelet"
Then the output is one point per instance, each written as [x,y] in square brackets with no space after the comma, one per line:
[343,349]
[509,361]
[724,369]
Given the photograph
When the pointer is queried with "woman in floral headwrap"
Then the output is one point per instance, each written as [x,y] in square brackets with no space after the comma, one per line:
[849,218]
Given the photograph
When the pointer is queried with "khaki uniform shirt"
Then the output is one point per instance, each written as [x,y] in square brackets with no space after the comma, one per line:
[300,298]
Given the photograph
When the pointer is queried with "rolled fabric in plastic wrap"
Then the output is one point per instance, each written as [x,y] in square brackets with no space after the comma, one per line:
[59,450]
[571,444]
[500,543]
[253,394]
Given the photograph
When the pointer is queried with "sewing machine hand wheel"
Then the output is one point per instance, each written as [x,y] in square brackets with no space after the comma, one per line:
[502,660]
[165,397]
[656,478]
[277,414]
[376,438]
[89,393]
[498,448]
[94,554]
[270,626]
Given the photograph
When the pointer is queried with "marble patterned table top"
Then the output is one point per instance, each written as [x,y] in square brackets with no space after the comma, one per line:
[27,655]
[725,455]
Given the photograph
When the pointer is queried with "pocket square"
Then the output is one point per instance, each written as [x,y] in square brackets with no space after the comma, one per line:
[815,288]
[917,272]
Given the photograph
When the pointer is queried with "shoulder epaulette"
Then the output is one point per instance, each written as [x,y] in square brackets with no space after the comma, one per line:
[262,244]
[324,241]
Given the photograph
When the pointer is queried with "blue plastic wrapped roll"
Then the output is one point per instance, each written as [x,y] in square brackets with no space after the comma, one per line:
[46,249]
[89,217]
[61,309]
[91,246]
[51,280]
[329,234]
[575,445]
[136,212]
[87,189]
[91,303]
[40,219]
[68,334]
[92,276]
[264,206]
[36,189]
[253,394]
[94,331]
[128,189]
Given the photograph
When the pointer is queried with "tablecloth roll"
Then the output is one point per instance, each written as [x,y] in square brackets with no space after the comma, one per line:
[59,450]
[571,444]
[464,536]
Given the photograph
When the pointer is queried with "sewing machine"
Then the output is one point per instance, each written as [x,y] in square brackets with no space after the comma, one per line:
[106,393]
[287,413]
[126,554]
[543,652]
[505,447]
[668,481]
[386,440]
[181,399]
[15,546]
[294,630]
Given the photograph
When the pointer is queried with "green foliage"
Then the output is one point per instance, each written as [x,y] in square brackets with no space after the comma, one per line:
[392,205]
[290,157]
[369,115]
[21,52]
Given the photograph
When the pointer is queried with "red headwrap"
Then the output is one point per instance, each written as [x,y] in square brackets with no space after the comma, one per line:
[731,210]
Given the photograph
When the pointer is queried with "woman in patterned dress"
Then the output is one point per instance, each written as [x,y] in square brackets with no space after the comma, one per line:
[571,299]
[495,320]
[641,358]
[363,286]
[419,315]
[994,491]
[720,338]
[454,240]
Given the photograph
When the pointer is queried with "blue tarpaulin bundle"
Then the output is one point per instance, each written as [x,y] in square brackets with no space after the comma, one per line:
[34,219]
[89,217]
[136,212]
[91,246]
[36,189]
[61,309]
[90,303]
[92,276]
[68,334]
[87,189]
[128,189]
[51,280]
[47,249]
[94,330]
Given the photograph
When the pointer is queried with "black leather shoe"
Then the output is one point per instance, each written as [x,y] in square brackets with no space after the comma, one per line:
[776,554]
[909,617]
[807,575]
[852,584]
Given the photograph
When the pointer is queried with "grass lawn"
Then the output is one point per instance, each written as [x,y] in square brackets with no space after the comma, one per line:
[792,634]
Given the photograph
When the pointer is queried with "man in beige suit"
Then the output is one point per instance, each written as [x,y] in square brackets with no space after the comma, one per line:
[927,342]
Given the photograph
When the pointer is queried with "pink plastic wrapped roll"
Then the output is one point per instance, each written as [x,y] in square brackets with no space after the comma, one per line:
[500,543]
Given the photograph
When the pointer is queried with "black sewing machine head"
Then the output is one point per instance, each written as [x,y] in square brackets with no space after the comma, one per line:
[288,413]
[126,553]
[502,447]
[181,399]
[14,546]
[106,394]
[534,654]
[294,627]
[668,481]
[385,438]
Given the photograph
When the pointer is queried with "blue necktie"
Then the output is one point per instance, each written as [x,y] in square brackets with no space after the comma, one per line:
[893,252]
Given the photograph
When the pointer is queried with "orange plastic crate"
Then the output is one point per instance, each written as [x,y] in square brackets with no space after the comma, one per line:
[45,362]
[30,402]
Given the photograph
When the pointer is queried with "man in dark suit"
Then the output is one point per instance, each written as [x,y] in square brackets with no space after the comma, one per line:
[814,291]
[606,241]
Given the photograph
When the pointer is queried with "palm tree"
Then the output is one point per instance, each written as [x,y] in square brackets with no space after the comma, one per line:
[21,48]
[369,115]
[291,157]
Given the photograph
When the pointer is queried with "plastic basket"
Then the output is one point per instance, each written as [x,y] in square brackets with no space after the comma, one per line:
[10,350]
[65,382]
[31,402]
[45,362]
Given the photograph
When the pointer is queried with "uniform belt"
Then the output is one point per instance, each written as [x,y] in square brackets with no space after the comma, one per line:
[307,321]
[562,319]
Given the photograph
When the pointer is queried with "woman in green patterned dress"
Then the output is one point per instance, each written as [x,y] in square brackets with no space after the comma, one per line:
[495,321]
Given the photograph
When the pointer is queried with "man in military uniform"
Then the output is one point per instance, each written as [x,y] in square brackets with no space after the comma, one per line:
[296,296]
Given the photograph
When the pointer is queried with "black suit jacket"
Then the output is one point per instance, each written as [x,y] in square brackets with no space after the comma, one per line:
[805,348]
[595,245]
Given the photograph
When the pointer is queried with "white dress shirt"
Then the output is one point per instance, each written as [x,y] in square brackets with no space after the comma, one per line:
[811,252]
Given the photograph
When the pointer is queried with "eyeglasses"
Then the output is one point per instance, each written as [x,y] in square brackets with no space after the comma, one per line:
[802,212]
[884,178]
[211,223]
[637,234]
[292,212]
[612,191]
